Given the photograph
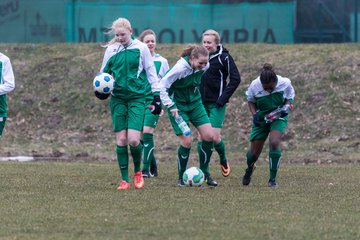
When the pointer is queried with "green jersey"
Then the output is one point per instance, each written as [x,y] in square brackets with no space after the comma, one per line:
[132,67]
[7,82]
[180,85]
[264,101]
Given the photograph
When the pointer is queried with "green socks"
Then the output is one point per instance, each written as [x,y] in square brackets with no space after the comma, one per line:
[148,144]
[136,153]
[183,158]
[205,150]
[250,159]
[123,160]
[220,149]
[274,161]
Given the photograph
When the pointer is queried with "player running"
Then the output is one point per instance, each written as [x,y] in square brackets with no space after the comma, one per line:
[216,91]
[265,94]
[180,93]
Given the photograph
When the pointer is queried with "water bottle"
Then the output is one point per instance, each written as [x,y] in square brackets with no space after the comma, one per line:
[277,113]
[183,126]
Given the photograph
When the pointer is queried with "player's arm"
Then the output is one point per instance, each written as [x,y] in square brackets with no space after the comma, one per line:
[8,79]
[234,82]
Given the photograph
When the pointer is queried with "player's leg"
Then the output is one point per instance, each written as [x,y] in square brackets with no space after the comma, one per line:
[149,168]
[183,157]
[118,108]
[2,125]
[136,108]
[258,136]
[201,121]
[216,117]
[277,130]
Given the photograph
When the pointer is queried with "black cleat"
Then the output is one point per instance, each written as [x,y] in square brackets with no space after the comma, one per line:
[209,181]
[247,176]
[146,174]
[273,184]
[153,169]
[181,183]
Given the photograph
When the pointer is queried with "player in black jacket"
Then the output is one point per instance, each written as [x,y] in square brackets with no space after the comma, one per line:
[216,90]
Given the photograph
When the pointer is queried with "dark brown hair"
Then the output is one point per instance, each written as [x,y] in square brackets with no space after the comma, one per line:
[267,74]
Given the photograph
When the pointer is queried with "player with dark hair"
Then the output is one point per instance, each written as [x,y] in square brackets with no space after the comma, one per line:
[161,64]
[216,90]
[265,94]
[130,62]
[7,84]
[180,93]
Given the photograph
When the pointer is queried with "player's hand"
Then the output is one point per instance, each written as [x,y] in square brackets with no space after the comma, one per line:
[101,96]
[157,105]
[256,120]
[284,111]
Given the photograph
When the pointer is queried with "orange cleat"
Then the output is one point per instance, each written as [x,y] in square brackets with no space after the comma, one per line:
[225,169]
[124,185]
[138,180]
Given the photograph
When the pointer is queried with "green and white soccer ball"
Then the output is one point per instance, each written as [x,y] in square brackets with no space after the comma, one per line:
[193,176]
[103,83]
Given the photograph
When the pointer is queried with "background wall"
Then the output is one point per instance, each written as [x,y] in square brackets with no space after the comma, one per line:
[175,21]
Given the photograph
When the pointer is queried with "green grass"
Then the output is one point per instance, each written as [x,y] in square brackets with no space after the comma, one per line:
[43,200]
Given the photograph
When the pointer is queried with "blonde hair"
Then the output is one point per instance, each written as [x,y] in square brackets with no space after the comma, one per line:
[120,22]
[194,51]
[211,32]
[145,33]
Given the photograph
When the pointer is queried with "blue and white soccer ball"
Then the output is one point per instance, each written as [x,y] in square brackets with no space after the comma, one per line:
[193,176]
[103,83]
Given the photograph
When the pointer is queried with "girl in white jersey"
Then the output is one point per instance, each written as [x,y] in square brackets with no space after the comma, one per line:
[265,94]
[149,168]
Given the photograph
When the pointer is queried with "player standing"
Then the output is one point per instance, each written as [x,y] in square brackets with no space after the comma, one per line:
[162,66]
[266,93]
[131,64]
[7,84]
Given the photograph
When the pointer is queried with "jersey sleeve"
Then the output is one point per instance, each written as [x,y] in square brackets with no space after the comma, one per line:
[250,93]
[106,58]
[150,70]
[7,78]
[289,92]
[165,83]
[164,68]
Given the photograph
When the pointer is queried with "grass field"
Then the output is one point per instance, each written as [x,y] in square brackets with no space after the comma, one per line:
[43,200]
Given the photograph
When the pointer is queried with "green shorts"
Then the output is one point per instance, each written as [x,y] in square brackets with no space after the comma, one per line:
[150,120]
[196,115]
[261,133]
[2,124]
[216,115]
[127,114]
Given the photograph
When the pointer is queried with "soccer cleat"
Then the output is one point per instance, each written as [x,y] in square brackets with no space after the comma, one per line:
[153,169]
[247,176]
[273,184]
[225,168]
[138,180]
[146,174]
[181,183]
[124,185]
[209,181]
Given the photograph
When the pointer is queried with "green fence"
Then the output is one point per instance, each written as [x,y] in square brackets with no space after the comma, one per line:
[50,21]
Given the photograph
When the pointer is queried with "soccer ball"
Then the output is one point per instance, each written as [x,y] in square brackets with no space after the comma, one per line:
[193,176]
[103,83]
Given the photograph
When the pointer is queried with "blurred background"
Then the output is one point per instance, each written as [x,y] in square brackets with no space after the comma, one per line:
[182,21]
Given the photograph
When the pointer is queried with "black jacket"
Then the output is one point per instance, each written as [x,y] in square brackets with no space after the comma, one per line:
[214,87]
